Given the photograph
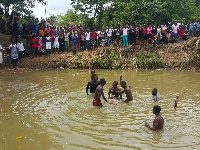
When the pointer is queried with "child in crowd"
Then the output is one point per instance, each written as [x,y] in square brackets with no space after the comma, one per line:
[48,45]
[155,96]
[74,38]
[40,44]
[34,44]
[52,40]
[21,49]
[6,56]
[14,56]
[180,33]
[56,44]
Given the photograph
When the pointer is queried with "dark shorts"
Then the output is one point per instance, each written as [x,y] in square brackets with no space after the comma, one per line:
[6,60]
[145,36]
[14,61]
[97,103]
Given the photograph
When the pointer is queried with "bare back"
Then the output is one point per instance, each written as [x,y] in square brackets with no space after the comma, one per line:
[158,122]
[128,94]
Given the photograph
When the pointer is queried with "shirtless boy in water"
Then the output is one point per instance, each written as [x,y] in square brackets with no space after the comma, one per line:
[98,93]
[114,91]
[176,102]
[127,91]
[158,121]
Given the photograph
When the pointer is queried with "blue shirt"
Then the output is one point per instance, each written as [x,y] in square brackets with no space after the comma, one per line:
[74,38]
[155,98]
[14,53]
[197,25]
[191,26]
[34,28]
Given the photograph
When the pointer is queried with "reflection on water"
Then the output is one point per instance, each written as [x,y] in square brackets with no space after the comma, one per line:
[51,110]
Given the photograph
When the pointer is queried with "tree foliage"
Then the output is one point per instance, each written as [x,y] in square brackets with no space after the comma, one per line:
[68,18]
[17,6]
[115,12]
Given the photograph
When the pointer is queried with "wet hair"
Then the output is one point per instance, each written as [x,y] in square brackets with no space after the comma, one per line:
[157,108]
[93,75]
[102,80]
[116,82]
[155,90]
[123,83]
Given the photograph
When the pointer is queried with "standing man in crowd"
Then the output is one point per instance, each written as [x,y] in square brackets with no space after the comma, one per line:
[109,34]
[125,35]
[87,36]
[175,29]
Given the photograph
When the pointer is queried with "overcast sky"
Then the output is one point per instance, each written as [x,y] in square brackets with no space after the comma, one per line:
[53,7]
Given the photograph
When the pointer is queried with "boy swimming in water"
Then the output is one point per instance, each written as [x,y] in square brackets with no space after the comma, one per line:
[99,93]
[176,102]
[155,96]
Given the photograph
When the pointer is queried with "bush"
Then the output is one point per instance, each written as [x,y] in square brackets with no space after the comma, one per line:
[108,61]
[148,62]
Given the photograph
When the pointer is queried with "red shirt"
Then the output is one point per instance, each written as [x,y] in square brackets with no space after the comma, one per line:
[35,45]
[93,35]
[52,38]
[180,33]
[48,31]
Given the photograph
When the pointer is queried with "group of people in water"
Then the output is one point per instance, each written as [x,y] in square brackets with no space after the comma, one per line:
[115,93]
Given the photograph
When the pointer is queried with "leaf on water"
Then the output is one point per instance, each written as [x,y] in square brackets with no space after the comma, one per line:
[19,147]
[19,137]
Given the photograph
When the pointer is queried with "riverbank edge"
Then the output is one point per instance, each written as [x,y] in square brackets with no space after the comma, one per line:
[182,56]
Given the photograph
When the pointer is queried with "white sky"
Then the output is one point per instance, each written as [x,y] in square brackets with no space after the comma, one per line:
[54,7]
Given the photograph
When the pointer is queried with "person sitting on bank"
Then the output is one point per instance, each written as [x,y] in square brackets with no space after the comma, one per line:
[98,93]
[155,96]
[158,121]
[92,84]
[127,91]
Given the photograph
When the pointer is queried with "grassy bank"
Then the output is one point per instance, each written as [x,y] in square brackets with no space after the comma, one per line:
[184,55]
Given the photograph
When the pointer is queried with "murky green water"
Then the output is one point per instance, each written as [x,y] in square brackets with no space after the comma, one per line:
[50,110]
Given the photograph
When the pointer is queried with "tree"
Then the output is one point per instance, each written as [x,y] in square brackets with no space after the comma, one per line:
[68,18]
[115,12]
[17,5]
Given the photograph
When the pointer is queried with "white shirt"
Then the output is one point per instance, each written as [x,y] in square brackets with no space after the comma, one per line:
[109,32]
[56,40]
[87,36]
[12,46]
[67,37]
[125,31]
[20,46]
[48,39]
[164,27]
[98,32]
[175,29]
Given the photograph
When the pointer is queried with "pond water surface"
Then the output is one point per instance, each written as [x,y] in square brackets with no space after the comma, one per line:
[51,111]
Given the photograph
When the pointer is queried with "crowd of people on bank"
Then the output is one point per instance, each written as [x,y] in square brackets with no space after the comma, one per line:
[44,39]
